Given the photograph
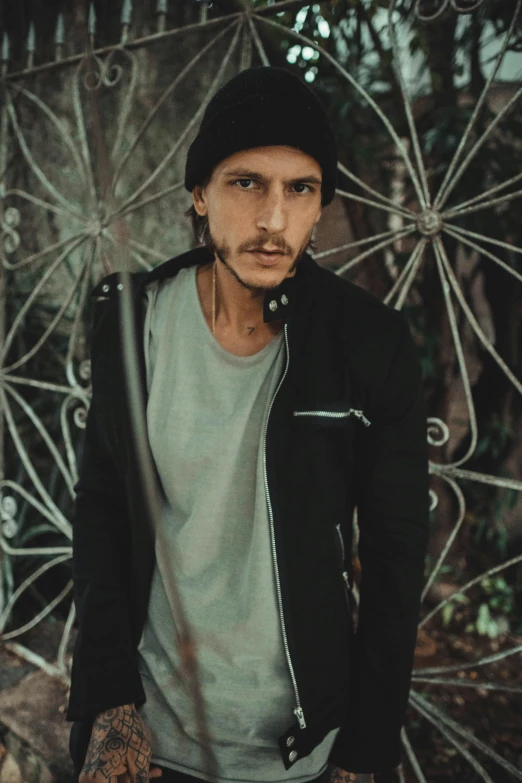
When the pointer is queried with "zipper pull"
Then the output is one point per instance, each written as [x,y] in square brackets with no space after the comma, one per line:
[360,415]
[347,579]
[298,712]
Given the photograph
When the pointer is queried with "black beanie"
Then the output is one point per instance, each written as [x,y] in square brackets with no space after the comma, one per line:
[263,105]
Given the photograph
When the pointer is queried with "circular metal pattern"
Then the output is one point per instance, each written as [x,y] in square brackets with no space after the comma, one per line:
[273,305]
[429,222]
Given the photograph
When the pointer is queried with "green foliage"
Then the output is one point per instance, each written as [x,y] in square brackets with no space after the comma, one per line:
[449,608]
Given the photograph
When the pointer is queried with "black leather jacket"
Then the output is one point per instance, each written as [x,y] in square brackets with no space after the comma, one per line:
[346,429]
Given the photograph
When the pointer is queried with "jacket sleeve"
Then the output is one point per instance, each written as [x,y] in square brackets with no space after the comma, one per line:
[392,487]
[104,668]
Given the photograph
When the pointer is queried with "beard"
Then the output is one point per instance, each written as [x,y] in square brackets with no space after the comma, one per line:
[223,252]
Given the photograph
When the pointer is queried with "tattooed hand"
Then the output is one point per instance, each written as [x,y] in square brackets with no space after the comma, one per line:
[340,776]
[119,749]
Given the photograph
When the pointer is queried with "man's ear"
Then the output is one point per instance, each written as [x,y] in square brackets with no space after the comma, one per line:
[199,200]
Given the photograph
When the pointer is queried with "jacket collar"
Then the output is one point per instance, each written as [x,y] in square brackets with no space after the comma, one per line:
[281,302]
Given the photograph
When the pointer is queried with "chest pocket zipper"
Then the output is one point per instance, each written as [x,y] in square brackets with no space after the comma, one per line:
[337,415]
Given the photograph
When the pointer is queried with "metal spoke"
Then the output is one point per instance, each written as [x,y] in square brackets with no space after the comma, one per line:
[448,184]
[149,200]
[35,168]
[463,683]
[28,303]
[472,664]
[41,614]
[462,238]
[38,425]
[47,205]
[460,355]
[484,238]
[424,194]
[397,208]
[357,243]
[58,518]
[454,741]
[483,205]
[412,758]
[74,240]
[31,657]
[20,589]
[451,538]
[464,589]
[354,197]
[478,144]
[484,196]
[39,507]
[433,713]
[60,126]
[408,274]
[258,43]
[379,246]
[440,254]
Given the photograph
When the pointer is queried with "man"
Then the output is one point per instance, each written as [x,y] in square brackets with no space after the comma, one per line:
[279,397]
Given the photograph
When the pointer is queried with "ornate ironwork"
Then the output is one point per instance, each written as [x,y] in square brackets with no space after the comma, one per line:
[90,222]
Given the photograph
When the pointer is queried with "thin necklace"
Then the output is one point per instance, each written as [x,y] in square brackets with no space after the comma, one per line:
[214,298]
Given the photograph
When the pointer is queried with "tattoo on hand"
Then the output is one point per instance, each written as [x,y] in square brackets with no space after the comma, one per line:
[250,329]
[340,776]
[118,735]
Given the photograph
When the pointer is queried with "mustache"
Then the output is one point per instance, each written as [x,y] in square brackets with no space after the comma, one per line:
[262,242]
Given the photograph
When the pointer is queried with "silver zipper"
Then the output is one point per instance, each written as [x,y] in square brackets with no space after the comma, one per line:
[344,574]
[337,414]
[338,528]
[298,711]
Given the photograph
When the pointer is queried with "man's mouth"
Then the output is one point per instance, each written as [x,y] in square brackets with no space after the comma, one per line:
[268,256]
[267,252]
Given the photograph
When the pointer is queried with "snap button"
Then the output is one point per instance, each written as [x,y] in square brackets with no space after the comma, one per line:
[293,755]
[273,305]
[284,299]
[120,286]
[290,741]
[105,288]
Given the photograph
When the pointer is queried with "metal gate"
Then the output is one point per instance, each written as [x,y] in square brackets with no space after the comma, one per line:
[71,211]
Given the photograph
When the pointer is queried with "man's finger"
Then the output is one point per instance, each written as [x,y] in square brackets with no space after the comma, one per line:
[155,772]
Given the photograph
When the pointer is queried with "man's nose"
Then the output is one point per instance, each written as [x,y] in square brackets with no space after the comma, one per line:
[273,214]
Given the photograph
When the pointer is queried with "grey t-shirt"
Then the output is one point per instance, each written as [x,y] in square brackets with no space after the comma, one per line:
[206,415]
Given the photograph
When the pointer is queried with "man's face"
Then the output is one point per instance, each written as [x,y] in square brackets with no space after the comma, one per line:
[265,197]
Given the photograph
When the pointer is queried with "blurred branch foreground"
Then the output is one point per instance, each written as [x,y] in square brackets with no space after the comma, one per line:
[95,123]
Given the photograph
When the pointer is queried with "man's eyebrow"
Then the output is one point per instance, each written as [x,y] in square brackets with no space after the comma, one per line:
[256,175]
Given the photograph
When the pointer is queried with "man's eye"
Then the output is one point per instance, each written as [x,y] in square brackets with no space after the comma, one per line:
[301,185]
[243,180]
